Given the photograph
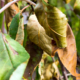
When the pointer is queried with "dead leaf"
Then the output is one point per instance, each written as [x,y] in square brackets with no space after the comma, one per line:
[68,55]
[53,21]
[38,35]
[47,68]
[20,33]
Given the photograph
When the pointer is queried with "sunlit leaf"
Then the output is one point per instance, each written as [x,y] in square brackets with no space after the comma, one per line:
[62,33]
[19,4]
[18,73]
[52,20]
[11,56]
[38,35]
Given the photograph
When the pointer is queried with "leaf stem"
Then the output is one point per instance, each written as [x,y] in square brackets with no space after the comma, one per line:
[24,8]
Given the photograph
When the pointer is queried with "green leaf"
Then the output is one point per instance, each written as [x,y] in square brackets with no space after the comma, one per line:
[18,73]
[1,19]
[19,4]
[5,64]
[52,2]
[37,73]
[23,54]
[12,57]
[53,21]
[14,26]
[78,42]
[70,78]
[25,36]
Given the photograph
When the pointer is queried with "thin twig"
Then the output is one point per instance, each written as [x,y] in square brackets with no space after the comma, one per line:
[24,8]
[7,5]
[3,27]
[12,2]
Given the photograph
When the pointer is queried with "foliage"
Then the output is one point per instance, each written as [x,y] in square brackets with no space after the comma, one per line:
[1,18]
[28,51]
[14,26]
[12,50]
[52,16]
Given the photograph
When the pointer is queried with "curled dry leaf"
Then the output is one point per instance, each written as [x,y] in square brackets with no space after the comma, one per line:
[77,7]
[38,35]
[68,55]
[47,68]
[10,12]
[54,22]
[20,33]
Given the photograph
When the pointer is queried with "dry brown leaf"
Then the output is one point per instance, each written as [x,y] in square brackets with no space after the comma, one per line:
[68,55]
[48,68]
[10,12]
[20,33]
[38,35]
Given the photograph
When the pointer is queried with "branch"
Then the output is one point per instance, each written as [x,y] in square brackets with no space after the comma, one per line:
[7,5]
[24,8]
[3,27]
[2,3]
[12,2]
